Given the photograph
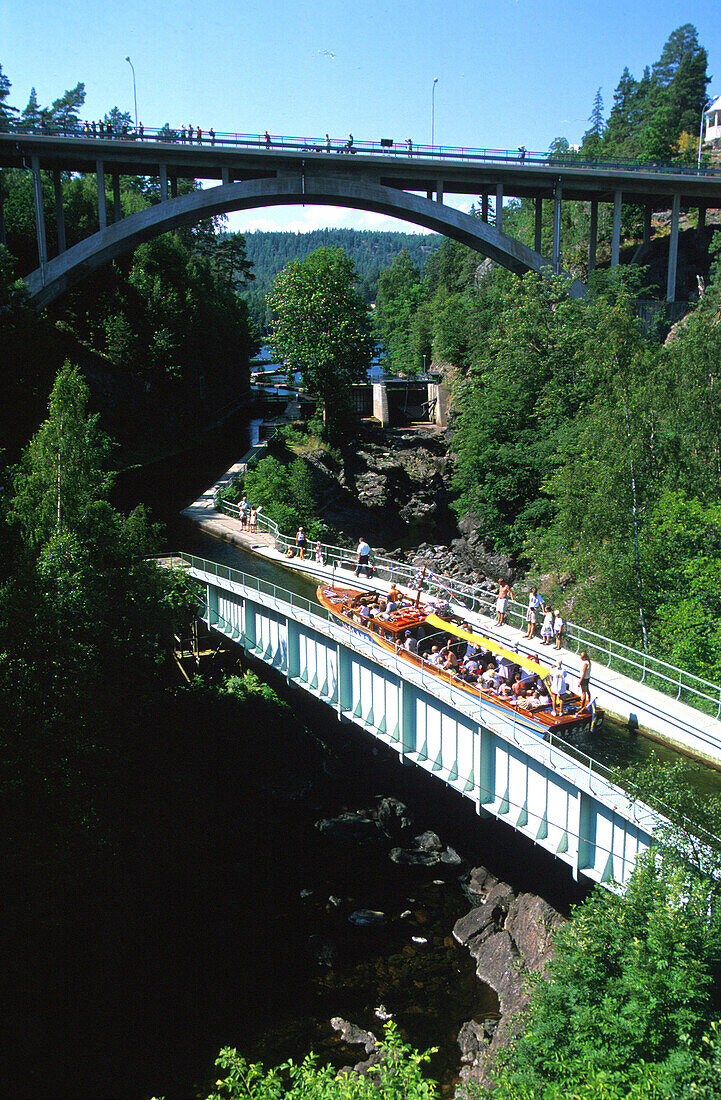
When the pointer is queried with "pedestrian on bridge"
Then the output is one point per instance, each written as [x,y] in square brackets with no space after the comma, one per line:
[327,143]
[266,135]
[409,147]
[211,131]
[504,594]
[191,131]
[300,542]
[584,681]
[364,553]
[182,134]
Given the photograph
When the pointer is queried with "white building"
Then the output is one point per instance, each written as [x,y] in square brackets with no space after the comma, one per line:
[713,121]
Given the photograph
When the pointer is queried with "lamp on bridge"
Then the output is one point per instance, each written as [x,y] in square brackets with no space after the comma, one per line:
[433,113]
[135,97]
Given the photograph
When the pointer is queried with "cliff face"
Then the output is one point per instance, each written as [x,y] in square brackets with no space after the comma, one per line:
[394,485]
[510,935]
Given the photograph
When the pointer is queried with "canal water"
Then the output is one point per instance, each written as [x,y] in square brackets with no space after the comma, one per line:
[275,953]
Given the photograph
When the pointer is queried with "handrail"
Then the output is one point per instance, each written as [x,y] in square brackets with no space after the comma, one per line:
[700,694]
[551,745]
[382,148]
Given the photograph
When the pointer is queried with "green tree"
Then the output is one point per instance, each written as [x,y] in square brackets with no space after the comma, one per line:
[321,328]
[593,138]
[628,999]
[62,473]
[32,116]
[397,302]
[64,112]
[7,113]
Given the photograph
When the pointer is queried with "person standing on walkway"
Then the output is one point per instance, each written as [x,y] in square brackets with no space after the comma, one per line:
[584,681]
[364,553]
[534,603]
[211,131]
[266,135]
[504,594]
[327,143]
[300,543]
[409,147]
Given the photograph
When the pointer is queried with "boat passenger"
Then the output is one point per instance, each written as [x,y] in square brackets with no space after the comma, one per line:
[434,657]
[537,700]
[410,644]
[558,688]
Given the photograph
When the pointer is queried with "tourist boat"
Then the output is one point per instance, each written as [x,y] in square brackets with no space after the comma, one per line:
[388,631]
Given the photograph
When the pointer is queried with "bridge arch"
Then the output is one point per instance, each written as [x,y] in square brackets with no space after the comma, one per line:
[63,271]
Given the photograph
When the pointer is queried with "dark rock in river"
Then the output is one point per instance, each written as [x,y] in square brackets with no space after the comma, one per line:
[393,817]
[367,918]
[356,827]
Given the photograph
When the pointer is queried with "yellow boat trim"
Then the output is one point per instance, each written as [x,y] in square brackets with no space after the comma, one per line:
[488,643]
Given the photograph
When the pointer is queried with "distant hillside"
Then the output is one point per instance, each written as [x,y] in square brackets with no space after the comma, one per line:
[370,251]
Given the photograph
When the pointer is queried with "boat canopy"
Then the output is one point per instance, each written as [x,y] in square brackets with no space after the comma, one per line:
[488,643]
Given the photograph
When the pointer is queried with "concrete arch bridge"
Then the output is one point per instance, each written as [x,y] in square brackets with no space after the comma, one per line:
[246,175]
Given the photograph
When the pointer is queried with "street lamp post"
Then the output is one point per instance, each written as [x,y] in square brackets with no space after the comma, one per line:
[433,113]
[135,96]
[700,133]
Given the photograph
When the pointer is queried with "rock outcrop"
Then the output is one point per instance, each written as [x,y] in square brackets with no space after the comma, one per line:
[509,935]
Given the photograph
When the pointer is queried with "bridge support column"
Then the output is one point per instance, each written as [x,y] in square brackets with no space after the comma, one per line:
[673,249]
[39,213]
[538,226]
[163,182]
[102,208]
[499,207]
[59,212]
[439,191]
[293,659]
[593,238]
[407,719]
[117,210]
[484,208]
[345,680]
[486,781]
[174,187]
[647,223]
[616,233]
[557,199]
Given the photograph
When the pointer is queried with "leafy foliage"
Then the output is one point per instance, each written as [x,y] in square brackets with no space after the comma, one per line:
[321,328]
[628,1000]
[398,1076]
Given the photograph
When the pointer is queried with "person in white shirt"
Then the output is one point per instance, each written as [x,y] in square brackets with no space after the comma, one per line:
[558,688]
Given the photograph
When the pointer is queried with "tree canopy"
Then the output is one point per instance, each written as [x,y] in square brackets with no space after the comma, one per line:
[321,327]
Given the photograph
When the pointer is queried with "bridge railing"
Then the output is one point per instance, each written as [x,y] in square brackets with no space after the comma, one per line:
[382,147]
[560,755]
[644,668]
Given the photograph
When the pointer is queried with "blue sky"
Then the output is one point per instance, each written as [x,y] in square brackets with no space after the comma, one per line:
[509,72]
